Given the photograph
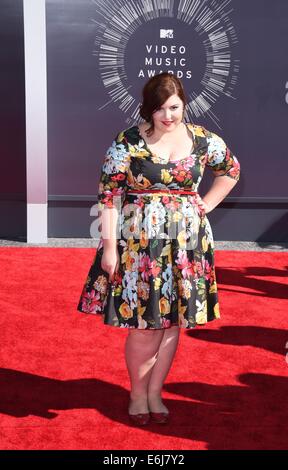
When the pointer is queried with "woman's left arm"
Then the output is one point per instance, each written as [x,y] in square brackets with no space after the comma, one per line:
[220,188]
[226,169]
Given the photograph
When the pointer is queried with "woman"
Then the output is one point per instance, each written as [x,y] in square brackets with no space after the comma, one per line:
[156,274]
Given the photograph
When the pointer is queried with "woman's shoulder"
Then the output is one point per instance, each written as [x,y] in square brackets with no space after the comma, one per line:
[198,129]
[127,133]
[133,133]
[202,132]
[126,136]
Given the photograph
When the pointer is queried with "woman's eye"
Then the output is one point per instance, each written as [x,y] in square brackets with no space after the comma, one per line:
[160,109]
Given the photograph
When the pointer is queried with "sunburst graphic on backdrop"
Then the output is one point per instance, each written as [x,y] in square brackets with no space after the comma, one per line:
[195,39]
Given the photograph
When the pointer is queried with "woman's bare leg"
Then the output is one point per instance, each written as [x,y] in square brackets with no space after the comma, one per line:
[141,353]
[166,353]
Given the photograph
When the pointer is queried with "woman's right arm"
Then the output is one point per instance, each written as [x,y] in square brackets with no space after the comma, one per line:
[110,258]
[109,219]
[112,187]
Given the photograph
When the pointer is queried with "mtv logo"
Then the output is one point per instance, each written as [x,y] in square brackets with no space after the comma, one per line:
[166,33]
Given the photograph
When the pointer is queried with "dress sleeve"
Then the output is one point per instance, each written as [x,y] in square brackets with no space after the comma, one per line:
[114,172]
[220,158]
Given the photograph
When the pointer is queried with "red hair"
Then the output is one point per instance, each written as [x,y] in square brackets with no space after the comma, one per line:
[156,91]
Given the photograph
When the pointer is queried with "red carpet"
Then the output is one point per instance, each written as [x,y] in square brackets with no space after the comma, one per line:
[63,377]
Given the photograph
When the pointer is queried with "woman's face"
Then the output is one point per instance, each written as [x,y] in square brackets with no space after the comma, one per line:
[170,114]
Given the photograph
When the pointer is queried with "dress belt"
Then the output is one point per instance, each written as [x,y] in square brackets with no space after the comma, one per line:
[173,191]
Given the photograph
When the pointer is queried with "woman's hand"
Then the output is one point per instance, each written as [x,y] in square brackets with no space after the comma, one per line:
[203,205]
[110,262]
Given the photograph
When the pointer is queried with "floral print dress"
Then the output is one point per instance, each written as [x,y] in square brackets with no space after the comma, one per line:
[166,276]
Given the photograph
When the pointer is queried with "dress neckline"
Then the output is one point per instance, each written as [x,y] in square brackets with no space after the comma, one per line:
[189,126]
